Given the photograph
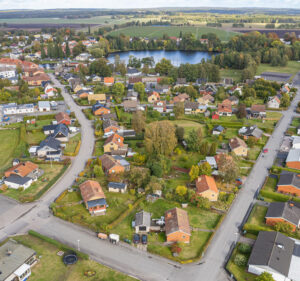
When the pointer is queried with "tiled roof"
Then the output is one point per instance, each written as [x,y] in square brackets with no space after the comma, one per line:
[177,220]
[204,183]
[91,190]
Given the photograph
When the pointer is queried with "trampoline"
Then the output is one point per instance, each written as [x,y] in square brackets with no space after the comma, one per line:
[70,258]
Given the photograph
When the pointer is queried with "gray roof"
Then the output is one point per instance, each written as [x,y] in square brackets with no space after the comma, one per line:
[276,76]
[97,202]
[119,185]
[142,219]
[289,179]
[108,122]
[191,104]
[251,131]
[10,263]
[50,142]
[286,210]
[49,128]
[272,249]
[61,129]
[17,179]
[293,156]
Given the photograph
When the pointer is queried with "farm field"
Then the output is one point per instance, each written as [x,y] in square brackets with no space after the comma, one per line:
[93,20]
[159,31]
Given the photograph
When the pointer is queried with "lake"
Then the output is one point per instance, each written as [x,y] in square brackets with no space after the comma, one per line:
[176,57]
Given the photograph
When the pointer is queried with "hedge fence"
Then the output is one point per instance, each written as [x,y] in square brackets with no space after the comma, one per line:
[59,245]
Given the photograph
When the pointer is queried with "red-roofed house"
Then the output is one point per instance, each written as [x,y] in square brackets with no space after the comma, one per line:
[63,118]
[207,188]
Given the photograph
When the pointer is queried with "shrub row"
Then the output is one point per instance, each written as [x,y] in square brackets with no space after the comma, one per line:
[278,196]
[40,117]
[58,244]
[50,183]
[255,229]
[75,152]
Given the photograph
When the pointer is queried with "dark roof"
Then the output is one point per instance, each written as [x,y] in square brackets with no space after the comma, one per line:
[108,122]
[191,104]
[61,128]
[97,202]
[251,131]
[51,142]
[18,179]
[286,210]
[276,76]
[272,249]
[218,128]
[119,185]
[49,128]
[142,218]
[289,179]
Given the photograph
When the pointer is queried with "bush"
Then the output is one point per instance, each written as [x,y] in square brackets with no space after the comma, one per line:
[244,248]
[255,229]
[240,260]
[275,196]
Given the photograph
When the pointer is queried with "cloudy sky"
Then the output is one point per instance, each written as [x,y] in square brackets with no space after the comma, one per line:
[46,4]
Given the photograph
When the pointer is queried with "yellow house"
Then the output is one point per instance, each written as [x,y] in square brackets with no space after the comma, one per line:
[77,88]
[101,98]
[201,100]
[207,188]
[238,147]
[113,143]
[153,97]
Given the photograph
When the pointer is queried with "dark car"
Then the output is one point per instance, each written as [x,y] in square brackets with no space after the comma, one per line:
[136,238]
[144,239]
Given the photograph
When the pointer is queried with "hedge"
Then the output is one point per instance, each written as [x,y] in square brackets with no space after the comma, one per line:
[58,244]
[278,196]
[40,117]
[50,183]
[255,229]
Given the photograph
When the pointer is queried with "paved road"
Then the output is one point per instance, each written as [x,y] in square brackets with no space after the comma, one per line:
[128,259]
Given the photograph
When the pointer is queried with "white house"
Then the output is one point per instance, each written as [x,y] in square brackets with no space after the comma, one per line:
[7,72]
[16,182]
[274,102]
[44,106]
[25,108]
[296,142]
[276,254]
[83,57]
[16,261]
[117,187]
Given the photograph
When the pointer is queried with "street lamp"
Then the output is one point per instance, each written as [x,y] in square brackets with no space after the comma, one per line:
[78,245]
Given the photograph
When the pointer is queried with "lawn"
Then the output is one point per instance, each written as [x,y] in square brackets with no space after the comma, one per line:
[9,140]
[189,251]
[292,68]
[72,143]
[296,122]
[239,272]
[50,172]
[188,126]
[98,148]
[235,74]
[159,31]
[35,137]
[270,184]
[117,204]
[257,215]
[38,125]
[274,115]
[51,267]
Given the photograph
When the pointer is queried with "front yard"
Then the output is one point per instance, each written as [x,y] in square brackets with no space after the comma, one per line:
[72,144]
[70,209]
[51,172]
[51,267]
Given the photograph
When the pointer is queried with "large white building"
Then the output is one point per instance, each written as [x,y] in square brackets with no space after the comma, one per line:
[13,108]
[7,72]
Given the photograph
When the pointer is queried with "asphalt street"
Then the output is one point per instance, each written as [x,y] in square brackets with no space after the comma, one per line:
[19,218]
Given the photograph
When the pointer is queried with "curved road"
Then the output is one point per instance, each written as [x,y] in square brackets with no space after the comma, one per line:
[128,259]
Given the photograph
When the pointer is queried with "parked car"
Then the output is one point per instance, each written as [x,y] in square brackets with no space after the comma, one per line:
[265,150]
[136,238]
[144,239]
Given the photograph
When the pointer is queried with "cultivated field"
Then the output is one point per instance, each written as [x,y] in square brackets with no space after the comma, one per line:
[159,31]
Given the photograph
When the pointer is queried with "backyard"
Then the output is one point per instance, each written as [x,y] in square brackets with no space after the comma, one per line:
[72,144]
[30,194]
[51,267]
[9,140]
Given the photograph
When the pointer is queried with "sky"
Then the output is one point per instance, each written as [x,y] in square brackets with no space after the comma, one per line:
[117,4]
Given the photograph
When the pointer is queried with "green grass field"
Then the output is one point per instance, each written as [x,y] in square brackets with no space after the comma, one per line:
[51,267]
[93,20]
[9,140]
[292,67]
[159,31]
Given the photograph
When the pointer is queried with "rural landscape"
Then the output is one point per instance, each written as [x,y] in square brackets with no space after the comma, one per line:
[150,143]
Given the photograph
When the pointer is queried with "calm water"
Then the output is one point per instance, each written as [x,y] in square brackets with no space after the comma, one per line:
[176,57]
